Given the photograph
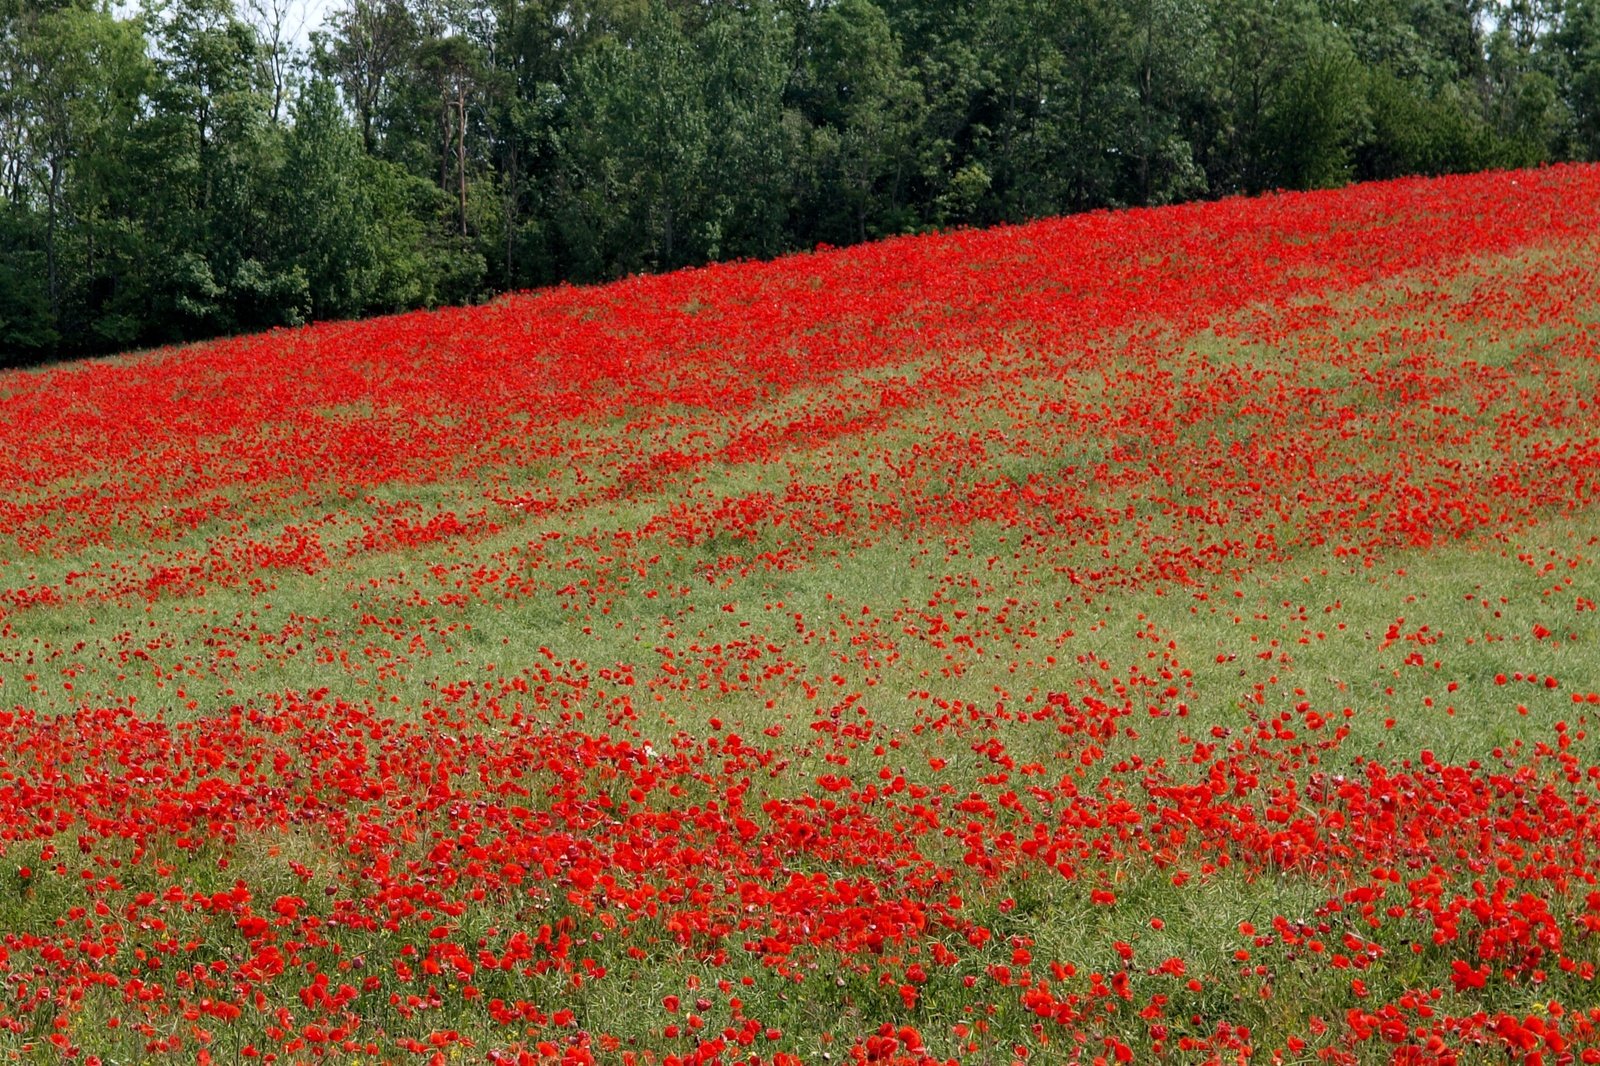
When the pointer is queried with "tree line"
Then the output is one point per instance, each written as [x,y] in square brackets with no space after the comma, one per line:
[194,167]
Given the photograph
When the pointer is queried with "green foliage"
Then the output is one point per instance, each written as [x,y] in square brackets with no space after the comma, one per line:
[325,213]
[637,152]
[1318,113]
[1415,131]
[350,224]
[1577,46]
[71,88]
[25,325]
[866,115]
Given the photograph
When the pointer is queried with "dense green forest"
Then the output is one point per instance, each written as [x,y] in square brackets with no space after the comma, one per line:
[191,167]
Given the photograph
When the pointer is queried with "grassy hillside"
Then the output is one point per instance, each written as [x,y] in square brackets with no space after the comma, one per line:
[1159,636]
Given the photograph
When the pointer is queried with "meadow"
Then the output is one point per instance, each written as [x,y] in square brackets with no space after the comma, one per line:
[1157,636]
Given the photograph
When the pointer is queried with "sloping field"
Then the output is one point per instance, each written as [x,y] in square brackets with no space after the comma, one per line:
[1162,636]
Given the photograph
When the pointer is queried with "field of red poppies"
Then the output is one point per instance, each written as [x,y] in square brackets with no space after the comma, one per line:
[1162,636]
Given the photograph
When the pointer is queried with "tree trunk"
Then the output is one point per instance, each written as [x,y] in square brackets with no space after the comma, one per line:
[52,266]
[510,205]
[88,263]
[444,140]
[461,150]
